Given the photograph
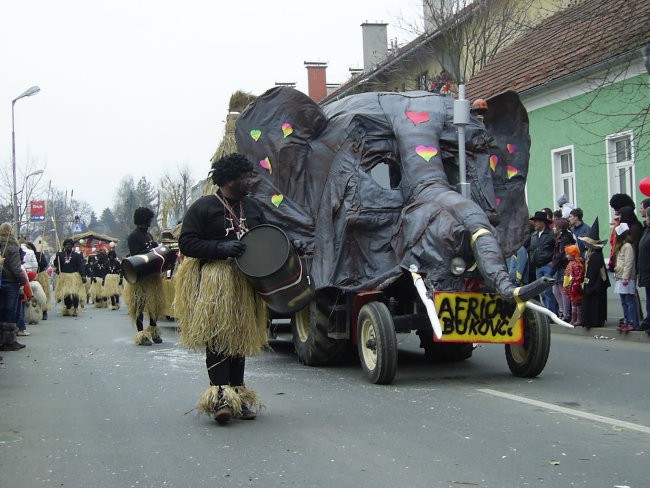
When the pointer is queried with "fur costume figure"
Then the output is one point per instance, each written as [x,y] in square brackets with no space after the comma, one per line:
[34,308]
[44,279]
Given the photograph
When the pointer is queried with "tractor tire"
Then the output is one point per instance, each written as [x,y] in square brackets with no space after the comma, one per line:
[309,328]
[528,359]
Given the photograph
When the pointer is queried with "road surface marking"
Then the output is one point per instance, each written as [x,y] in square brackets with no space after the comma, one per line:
[568,411]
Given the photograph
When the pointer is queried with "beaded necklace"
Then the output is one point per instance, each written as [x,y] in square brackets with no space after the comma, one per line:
[231,221]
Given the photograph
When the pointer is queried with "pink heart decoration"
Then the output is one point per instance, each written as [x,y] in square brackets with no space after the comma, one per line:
[426,152]
[512,171]
[498,200]
[266,164]
[417,117]
[511,148]
[287,129]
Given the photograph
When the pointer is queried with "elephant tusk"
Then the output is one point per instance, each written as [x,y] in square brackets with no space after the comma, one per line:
[428,303]
[556,320]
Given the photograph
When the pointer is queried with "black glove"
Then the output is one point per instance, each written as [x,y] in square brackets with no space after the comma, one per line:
[120,283]
[230,249]
[83,280]
[92,280]
[299,246]
[103,281]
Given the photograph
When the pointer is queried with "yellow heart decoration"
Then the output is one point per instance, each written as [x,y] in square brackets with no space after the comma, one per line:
[277,199]
[256,134]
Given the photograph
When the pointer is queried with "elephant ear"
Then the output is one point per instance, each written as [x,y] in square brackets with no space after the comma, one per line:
[509,152]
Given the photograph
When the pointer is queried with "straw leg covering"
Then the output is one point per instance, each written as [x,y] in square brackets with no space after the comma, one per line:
[147,293]
[216,306]
[112,286]
[69,284]
[210,399]
[44,279]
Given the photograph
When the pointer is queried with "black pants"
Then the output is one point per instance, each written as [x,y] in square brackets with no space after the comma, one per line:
[71,301]
[115,299]
[140,317]
[225,370]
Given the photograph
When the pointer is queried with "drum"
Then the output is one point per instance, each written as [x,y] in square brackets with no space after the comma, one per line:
[274,270]
[139,266]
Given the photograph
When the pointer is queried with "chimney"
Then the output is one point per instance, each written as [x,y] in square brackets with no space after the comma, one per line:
[316,80]
[375,44]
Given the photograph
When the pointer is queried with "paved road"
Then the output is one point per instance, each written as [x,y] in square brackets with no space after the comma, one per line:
[83,407]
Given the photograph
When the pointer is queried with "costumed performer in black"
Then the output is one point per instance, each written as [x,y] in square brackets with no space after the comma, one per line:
[41,275]
[98,269]
[71,278]
[113,280]
[147,294]
[216,307]
[596,281]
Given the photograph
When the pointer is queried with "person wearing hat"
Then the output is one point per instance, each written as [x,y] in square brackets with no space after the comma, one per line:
[565,206]
[625,276]
[71,279]
[540,255]
[12,279]
[596,281]
[644,263]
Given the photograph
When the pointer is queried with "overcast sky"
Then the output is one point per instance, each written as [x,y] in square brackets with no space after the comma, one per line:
[141,87]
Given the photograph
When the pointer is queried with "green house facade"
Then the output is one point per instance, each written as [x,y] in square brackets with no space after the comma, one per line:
[589,144]
[583,78]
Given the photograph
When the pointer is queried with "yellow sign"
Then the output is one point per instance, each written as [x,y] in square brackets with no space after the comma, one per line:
[477,317]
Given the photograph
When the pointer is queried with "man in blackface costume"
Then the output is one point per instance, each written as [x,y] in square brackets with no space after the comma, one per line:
[147,294]
[71,278]
[215,305]
[113,280]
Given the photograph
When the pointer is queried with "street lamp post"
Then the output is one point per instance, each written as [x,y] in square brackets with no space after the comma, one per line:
[27,93]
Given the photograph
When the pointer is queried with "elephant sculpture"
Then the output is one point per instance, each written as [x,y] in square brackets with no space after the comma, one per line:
[368,183]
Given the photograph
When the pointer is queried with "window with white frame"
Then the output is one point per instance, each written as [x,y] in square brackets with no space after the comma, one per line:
[564,181]
[620,163]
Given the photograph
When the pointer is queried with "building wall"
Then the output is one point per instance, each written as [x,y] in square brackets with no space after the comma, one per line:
[568,124]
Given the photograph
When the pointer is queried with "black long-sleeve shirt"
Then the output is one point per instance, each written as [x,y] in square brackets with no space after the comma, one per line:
[205,225]
[140,241]
[69,263]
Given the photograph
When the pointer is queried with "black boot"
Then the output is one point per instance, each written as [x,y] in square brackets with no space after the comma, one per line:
[44,315]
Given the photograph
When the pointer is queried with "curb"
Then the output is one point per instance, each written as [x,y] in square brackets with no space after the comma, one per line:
[607,333]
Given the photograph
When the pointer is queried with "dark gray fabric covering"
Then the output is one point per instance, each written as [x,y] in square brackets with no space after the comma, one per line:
[363,234]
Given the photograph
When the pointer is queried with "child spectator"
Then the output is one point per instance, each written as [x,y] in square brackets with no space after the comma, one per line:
[625,275]
[574,275]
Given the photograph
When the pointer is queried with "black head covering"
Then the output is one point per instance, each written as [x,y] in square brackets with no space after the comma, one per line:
[592,238]
[142,216]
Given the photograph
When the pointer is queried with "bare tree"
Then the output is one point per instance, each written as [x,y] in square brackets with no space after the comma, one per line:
[174,196]
[30,185]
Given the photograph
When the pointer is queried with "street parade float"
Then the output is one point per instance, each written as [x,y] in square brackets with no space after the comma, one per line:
[400,230]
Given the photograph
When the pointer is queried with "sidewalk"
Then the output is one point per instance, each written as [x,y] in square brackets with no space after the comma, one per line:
[614,313]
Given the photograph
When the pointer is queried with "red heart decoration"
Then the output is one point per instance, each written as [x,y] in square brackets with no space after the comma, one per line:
[417,117]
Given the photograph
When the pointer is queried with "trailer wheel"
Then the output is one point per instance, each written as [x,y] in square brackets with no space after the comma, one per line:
[309,328]
[528,359]
[377,343]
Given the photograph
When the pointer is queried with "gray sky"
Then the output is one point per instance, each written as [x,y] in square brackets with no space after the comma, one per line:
[141,86]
